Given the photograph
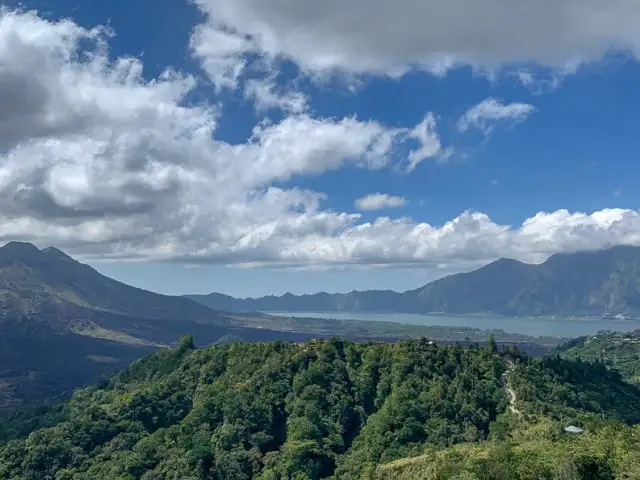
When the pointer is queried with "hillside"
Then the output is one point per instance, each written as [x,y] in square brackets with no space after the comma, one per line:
[537,451]
[334,409]
[63,325]
[38,281]
[619,351]
[603,282]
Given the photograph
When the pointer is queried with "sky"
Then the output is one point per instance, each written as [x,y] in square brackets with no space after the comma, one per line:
[252,148]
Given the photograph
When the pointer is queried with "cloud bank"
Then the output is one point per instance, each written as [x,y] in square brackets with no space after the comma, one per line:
[98,160]
[390,38]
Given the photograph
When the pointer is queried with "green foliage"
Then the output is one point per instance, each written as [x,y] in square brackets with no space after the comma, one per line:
[533,453]
[618,351]
[330,409]
[575,390]
[21,422]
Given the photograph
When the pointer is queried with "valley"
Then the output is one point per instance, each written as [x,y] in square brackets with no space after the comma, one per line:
[319,240]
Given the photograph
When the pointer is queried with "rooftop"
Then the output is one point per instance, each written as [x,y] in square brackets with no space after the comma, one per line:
[573,429]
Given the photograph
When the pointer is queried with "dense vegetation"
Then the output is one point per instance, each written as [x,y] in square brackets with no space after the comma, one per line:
[320,409]
[540,450]
[583,283]
[618,351]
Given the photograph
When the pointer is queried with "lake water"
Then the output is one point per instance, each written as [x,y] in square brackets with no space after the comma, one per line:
[535,327]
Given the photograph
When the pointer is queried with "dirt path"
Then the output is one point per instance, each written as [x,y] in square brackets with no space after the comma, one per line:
[510,391]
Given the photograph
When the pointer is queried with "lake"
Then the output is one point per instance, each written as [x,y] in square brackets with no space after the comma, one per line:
[536,327]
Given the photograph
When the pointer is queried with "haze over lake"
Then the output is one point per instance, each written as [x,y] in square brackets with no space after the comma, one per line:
[533,326]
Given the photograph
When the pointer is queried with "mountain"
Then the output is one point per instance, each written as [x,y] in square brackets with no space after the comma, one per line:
[63,324]
[339,410]
[605,282]
[48,290]
[384,301]
[33,280]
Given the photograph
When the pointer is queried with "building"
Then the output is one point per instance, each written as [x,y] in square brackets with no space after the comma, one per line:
[574,430]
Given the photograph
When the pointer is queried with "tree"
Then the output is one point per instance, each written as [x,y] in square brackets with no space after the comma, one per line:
[491,344]
[186,344]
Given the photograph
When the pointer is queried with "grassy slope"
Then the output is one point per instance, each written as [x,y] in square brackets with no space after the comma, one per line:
[535,451]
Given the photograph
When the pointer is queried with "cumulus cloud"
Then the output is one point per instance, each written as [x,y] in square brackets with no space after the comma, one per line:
[382,37]
[378,201]
[99,161]
[484,115]
[95,156]
[429,143]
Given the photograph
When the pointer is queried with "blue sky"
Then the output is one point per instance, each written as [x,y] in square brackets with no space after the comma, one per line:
[565,139]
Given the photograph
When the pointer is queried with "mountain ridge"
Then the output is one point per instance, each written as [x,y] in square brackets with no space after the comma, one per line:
[25,269]
[63,324]
[600,282]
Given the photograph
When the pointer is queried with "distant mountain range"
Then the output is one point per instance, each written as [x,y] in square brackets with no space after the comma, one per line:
[605,282]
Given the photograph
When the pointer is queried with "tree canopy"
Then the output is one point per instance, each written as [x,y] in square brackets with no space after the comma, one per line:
[325,409]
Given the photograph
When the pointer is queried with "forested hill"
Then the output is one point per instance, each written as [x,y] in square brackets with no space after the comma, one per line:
[619,351]
[582,283]
[332,409]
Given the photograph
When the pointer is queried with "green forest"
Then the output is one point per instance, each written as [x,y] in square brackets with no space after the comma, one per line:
[335,409]
[619,351]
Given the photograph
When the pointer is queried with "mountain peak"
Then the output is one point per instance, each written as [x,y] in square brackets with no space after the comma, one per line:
[506,261]
[20,249]
[27,251]
[503,264]
[54,252]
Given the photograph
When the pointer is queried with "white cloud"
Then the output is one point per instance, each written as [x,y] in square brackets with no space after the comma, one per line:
[266,96]
[483,115]
[98,161]
[544,82]
[97,157]
[221,53]
[429,142]
[378,201]
[378,36]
